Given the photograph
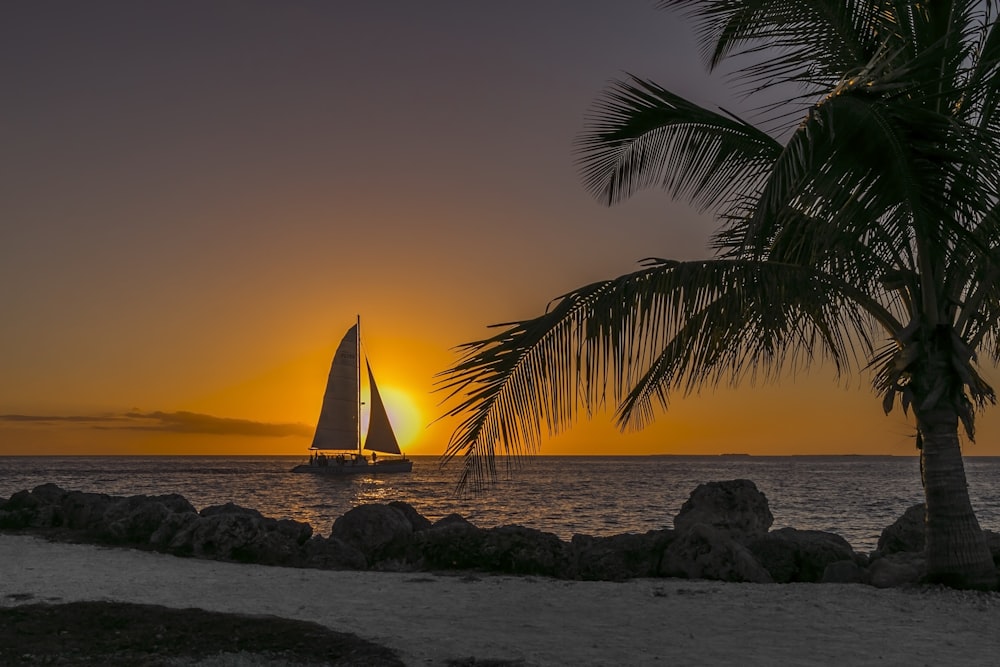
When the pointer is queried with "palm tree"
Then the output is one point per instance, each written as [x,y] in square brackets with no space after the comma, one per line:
[859,225]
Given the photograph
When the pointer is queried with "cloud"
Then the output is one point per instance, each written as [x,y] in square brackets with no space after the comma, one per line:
[165,422]
[58,419]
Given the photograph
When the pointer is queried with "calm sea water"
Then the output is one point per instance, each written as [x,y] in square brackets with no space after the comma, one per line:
[852,496]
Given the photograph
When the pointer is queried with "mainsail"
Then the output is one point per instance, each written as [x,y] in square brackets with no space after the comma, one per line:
[338,427]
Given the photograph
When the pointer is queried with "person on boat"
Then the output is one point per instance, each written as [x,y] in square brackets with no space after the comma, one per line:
[374,456]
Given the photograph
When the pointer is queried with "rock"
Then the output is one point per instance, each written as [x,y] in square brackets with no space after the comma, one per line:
[134,520]
[168,529]
[618,557]
[735,507]
[39,508]
[16,519]
[898,569]
[126,524]
[452,519]
[417,520]
[905,534]
[97,516]
[20,500]
[521,550]
[230,508]
[375,530]
[456,544]
[48,506]
[800,555]
[452,543]
[299,531]
[174,502]
[84,511]
[19,511]
[844,572]
[240,536]
[993,543]
[332,554]
[705,552]
[48,494]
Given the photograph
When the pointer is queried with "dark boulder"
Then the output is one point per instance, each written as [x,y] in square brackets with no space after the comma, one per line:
[735,507]
[242,537]
[230,508]
[902,568]
[20,500]
[844,572]
[455,544]
[48,494]
[417,520]
[84,511]
[125,523]
[95,516]
[800,555]
[174,502]
[521,550]
[451,520]
[19,511]
[172,524]
[706,552]
[618,557]
[49,507]
[134,520]
[993,543]
[299,531]
[331,554]
[451,543]
[378,531]
[905,534]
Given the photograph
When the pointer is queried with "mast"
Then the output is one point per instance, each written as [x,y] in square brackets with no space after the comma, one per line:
[357,346]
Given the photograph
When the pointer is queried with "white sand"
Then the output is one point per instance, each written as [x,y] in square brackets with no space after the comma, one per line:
[429,618]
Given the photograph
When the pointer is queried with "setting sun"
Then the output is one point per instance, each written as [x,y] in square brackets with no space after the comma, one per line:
[404,415]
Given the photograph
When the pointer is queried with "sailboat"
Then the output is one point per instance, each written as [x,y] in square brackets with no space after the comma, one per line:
[338,430]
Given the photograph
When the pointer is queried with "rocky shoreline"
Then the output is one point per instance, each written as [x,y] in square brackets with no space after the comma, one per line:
[722,532]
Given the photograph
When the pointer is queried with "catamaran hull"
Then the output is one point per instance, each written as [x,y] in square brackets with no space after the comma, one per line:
[380,468]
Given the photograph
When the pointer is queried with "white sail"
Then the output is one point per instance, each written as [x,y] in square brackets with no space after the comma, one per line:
[380,436]
[337,427]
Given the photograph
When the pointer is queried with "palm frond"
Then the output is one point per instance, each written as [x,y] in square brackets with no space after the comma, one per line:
[981,97]
[672,325]
[978,320]
[641,135]
[810,42]
[755,321]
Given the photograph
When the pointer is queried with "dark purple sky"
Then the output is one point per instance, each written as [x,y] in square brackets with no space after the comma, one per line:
[199,196]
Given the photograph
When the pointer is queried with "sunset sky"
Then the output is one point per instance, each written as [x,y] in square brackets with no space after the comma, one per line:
[198,198]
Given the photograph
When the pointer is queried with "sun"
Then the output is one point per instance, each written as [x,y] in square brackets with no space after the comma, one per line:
[404,415]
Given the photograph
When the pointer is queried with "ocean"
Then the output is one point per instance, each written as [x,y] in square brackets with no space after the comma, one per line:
[853,496]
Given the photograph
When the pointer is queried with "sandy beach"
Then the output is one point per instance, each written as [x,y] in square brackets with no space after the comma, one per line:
[431,618]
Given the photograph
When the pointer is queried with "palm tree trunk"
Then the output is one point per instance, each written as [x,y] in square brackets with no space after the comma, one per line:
[957,554]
